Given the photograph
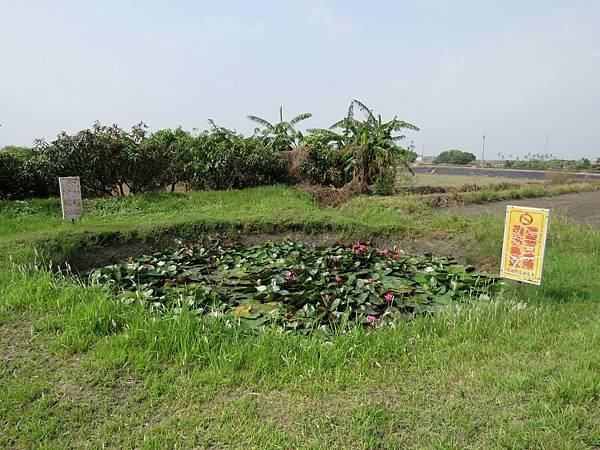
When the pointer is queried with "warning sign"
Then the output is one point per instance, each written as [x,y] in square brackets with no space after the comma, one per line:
[524,244]
[70,197]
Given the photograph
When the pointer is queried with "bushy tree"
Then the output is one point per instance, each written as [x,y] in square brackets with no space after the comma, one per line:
[158,160]
[455,156]
[97,155]
[223,159]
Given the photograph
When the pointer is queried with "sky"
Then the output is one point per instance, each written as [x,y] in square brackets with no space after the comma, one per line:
[524,73]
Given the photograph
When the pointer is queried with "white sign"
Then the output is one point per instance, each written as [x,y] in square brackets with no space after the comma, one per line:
[70,197]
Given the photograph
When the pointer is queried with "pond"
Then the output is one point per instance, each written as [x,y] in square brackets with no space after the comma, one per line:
[293,286]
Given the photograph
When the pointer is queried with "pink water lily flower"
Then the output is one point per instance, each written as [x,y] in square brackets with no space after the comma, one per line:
[371,319]
[389,297]
[289,276]
[357,247]
[338,280]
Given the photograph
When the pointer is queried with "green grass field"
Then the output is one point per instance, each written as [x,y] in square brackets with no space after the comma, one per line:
[80,369]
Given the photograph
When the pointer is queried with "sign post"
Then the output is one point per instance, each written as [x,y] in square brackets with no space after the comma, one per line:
[70,198]
[524,244]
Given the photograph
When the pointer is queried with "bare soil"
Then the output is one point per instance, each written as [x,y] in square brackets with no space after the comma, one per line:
[582,207]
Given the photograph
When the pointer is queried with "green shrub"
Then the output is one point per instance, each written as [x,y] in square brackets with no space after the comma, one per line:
[325,164]
[110,160]
[11,175]
[223,159]
[21,176]
[385,182]
[558,177]
[454,157]
[97,155]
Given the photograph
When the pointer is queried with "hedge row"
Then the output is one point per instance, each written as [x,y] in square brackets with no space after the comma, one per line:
[110,160]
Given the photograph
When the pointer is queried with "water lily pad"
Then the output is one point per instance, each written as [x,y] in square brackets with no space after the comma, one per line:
[296,287]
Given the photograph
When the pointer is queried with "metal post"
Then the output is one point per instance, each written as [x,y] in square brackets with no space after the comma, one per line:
[483,151]
[519,287]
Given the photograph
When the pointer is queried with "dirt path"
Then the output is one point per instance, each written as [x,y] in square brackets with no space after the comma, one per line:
[583,207]
[516,174]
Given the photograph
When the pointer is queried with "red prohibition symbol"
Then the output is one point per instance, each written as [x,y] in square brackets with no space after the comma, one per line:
[526,219]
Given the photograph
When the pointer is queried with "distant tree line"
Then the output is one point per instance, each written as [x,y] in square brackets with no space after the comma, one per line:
[548,163]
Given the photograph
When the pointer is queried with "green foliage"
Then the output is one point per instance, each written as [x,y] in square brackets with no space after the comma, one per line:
[112,161]
[326,164]
[98,155]
[455,157]
[21,175]
[16,150]
[159,160]
[385,182]
[282,135]
[223,159]
[11,172]
[372,144]
[295,287]
[540,163]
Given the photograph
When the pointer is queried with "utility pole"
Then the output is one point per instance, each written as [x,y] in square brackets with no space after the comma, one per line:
[483,151]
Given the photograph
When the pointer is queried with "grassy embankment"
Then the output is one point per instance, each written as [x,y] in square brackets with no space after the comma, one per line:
[78,368]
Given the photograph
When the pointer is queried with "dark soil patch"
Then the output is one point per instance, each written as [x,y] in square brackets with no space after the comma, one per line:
[115,252]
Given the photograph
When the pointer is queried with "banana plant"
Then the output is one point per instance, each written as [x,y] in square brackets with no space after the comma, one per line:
[282,135]
[371,143]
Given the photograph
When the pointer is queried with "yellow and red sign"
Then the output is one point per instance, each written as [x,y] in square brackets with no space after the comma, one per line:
[524,244]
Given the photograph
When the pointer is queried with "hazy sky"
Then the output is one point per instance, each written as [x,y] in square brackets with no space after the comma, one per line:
[516,70]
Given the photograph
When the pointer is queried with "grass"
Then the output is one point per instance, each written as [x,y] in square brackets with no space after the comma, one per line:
[530,191]
[79,369]
[433,179]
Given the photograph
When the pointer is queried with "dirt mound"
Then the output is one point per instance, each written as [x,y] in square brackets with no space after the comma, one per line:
[332,196]
[293,162]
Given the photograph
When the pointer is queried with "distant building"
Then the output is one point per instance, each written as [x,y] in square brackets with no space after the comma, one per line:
[425,159]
